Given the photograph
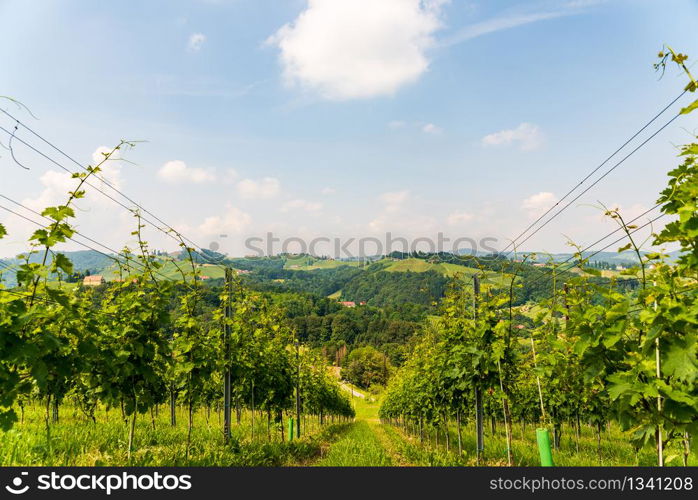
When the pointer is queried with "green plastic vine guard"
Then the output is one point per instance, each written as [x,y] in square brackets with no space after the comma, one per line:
[546,454]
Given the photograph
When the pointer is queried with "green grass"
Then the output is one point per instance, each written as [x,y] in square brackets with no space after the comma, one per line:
[77,441]
[405,448]
[615,449]
[359,447]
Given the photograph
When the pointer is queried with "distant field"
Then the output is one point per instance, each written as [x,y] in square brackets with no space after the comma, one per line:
[309,264]
[169,270]
[530,310]
[62,285]
[447,269]
[606,273]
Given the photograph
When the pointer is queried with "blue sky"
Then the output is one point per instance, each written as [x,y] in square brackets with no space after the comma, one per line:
[343,119]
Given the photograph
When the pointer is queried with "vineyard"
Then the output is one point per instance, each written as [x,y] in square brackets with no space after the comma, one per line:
[593,355]
[151,369]
[143,342]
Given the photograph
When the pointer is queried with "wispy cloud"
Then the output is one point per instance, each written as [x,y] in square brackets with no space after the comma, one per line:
[513,19]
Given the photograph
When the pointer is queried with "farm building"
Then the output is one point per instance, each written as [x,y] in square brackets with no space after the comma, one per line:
[95,280]
[348,304]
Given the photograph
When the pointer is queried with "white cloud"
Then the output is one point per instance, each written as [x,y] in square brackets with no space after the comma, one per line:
[233,221]
[359,48]
[430,128]
[56,184]
[308,206]
[527,135]
[459,217]
[263,189]
[55,190]
[328,191]
[538,203]
[91,211]
[394,200]
[177,172]
[196,41]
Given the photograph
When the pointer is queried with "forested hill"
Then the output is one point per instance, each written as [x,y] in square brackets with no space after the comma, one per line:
[418,280]
[335,304]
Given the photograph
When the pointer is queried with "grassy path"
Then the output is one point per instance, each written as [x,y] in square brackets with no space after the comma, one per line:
[366,442]
[392,443]
[358,448]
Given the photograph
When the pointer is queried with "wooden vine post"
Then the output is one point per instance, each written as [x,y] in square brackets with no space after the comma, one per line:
[226,343]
